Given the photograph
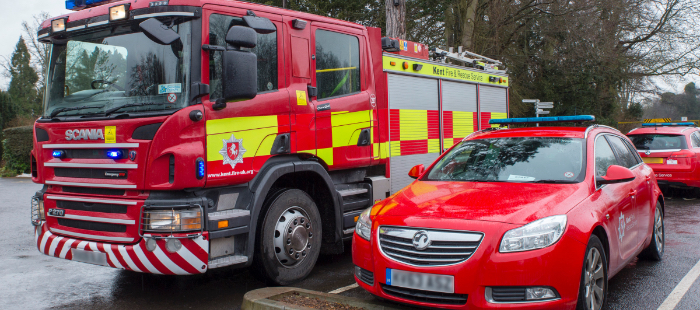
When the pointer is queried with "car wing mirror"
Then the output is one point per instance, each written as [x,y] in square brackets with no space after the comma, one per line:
[616,174]
[416,171]
[158,32]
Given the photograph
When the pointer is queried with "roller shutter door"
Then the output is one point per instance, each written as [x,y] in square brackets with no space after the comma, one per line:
[494,104]
[414,128]
[459,117]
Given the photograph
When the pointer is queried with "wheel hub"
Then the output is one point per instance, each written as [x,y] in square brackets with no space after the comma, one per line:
[293,237]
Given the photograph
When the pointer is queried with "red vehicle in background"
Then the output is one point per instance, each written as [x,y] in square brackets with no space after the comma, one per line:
[528,218]
[672,150]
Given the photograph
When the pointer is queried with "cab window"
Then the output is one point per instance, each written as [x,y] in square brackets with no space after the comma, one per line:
[627,159]
[337,64]
[604,156]
[265,50]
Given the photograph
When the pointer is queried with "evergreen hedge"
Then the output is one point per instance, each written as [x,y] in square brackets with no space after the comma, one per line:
[17,145]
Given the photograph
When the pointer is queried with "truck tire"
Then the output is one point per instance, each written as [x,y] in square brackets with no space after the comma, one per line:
[288,240]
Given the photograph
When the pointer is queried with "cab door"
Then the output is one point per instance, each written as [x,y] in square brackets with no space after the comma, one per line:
[343,111]
[622,197]
[240,136]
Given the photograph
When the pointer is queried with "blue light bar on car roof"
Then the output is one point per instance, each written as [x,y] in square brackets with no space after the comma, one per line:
[669,124]
[549,119]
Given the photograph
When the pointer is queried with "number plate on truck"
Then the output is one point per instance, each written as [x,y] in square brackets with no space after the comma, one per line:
[653,160]
[420,281]
[90,257]
[57,212]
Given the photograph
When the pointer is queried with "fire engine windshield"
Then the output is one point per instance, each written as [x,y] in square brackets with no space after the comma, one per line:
[526,159]
[116,71]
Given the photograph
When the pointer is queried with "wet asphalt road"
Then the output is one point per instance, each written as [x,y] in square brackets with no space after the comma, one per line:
[30,280]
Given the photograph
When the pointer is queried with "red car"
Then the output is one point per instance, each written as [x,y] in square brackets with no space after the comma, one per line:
[528,218]
[672,150]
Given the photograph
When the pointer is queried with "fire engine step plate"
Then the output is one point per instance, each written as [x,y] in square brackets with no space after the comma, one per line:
[293,237]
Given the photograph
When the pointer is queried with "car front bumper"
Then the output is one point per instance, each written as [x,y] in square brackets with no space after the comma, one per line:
[558,266]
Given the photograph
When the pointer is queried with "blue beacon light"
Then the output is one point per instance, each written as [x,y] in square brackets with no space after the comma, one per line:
[114,154]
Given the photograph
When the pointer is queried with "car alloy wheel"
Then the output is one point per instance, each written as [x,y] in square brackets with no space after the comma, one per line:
[293,236]
[659,230]
[594,280]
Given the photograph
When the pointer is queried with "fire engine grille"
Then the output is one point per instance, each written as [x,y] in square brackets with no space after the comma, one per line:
[425,296]
[94,191]
[443,248]
[92,207]
[90,173]
[90,153]
[95,226]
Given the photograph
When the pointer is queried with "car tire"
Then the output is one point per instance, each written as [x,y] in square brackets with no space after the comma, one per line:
[655,250]
[593,287]
[288,241]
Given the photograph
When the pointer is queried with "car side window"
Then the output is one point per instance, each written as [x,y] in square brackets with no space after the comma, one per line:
[633,150]
[695,139]
[604,156]
[337,64]
[265,50]
[626,158]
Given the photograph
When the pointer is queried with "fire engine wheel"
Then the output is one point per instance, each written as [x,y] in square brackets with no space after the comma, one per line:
[289,241]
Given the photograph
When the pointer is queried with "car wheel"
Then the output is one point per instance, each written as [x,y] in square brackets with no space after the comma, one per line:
[655,250]
[593,288]
[289,240]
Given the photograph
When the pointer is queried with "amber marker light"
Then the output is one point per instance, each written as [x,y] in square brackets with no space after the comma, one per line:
[223,224]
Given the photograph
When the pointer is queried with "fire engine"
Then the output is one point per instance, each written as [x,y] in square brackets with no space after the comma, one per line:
[182,135]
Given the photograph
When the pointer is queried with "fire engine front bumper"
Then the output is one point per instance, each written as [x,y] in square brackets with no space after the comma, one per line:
[191,258]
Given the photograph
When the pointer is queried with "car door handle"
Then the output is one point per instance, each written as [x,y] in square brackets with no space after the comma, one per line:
[648,178]
[633,192]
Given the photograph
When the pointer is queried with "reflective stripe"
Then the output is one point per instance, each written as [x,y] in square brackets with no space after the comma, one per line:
[144,260]
[127,259]
[54,244]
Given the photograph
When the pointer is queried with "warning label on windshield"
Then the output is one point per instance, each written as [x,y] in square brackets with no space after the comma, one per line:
[169,88]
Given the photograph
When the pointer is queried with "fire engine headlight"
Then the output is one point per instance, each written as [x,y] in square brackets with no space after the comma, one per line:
[119,12]
[37,211]
[536,235]
[172,220]
[58,25]
[364,224]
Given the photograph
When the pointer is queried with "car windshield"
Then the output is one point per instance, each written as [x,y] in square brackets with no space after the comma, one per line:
[658,142]
[117,67]
[524,159]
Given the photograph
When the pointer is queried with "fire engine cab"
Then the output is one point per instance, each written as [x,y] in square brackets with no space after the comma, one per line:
[179,136]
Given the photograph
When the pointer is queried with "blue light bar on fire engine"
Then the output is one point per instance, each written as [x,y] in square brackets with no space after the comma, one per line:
[669,124]
[77,4]
[549,119]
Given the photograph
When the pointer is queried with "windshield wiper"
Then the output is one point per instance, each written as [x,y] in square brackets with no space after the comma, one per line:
[112,110]
[60,110]
[554,181]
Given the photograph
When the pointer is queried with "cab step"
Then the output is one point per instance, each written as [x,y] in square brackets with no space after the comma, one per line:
[355,198]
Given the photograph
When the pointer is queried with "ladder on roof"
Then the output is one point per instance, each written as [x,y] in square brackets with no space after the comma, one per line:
[468,59]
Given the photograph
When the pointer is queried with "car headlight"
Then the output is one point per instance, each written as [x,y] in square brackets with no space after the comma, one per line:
[37,211]
[172,220]
[536,235]
[364,224]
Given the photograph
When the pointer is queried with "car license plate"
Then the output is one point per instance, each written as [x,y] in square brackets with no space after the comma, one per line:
[420,281]
[671,162]
[653,160]
[90,257]
[57,212]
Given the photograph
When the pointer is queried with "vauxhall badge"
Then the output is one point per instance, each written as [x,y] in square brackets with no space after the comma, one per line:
[233,151]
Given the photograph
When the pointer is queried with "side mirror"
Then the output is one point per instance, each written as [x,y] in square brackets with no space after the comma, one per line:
[416,171]
[158,32]
[240,68]
[261,25]
[616,174]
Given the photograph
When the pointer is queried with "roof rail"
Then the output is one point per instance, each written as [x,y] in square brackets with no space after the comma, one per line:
[585,135]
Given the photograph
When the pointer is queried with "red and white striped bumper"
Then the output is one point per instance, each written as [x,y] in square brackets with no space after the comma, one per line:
[192,258]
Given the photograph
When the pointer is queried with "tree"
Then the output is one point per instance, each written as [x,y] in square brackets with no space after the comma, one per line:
[23,81]
[7,110]
[396,19]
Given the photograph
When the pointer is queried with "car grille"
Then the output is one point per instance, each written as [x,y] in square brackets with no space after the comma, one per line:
[445,247]
[364,275]
[508,294]
[425,296]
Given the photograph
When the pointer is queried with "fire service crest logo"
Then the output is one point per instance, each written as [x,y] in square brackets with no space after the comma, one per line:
[233,151]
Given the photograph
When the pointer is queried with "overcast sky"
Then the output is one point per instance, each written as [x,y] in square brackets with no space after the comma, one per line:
[12,15]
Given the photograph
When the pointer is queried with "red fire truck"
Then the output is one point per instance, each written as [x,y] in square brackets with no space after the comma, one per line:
[184,135]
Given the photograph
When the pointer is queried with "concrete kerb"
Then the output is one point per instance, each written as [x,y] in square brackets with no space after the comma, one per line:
[268,299]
